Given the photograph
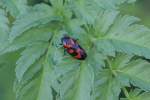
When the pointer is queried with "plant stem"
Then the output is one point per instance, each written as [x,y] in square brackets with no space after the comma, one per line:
[109,65]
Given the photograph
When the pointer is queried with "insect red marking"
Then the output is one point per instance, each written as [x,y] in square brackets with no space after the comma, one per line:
[73,48]
[78,56]
[66,46]
[70,51]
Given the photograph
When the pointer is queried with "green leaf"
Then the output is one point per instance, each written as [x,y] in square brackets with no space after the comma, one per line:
[44,73]
[62,10]
[88,10]
[4,28]
[134,71]
[45,91]
[15,7]
[106,87]
[7,75]
[81,81]
[123,36]
[137,94]
[41,76]
[29,56]
[121,71]
[137,71]
[40,86]
[107,19]
[39,15]
[41,34]
[28,76]
[112,4]
[57,3]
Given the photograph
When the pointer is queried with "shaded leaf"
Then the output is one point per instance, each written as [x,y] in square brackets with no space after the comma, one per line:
[137,94]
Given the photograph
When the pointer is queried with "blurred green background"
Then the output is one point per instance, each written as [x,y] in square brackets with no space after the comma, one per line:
[140,9]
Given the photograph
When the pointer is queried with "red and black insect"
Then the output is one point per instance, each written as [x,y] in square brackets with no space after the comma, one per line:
[73,48]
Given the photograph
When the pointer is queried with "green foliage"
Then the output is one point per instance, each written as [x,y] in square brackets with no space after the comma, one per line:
[38,15]
[137,95]
[134,40]
[117,47]
[7,75]
[124,70]
[27,60]
[78,85]
[4,29]
[15,7]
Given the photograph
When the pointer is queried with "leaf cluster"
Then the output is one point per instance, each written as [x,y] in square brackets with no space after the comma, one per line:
[117,46]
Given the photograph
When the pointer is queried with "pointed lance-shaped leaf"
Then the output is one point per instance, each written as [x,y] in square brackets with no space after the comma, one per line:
[124,35]
[29,56]
[38,15]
